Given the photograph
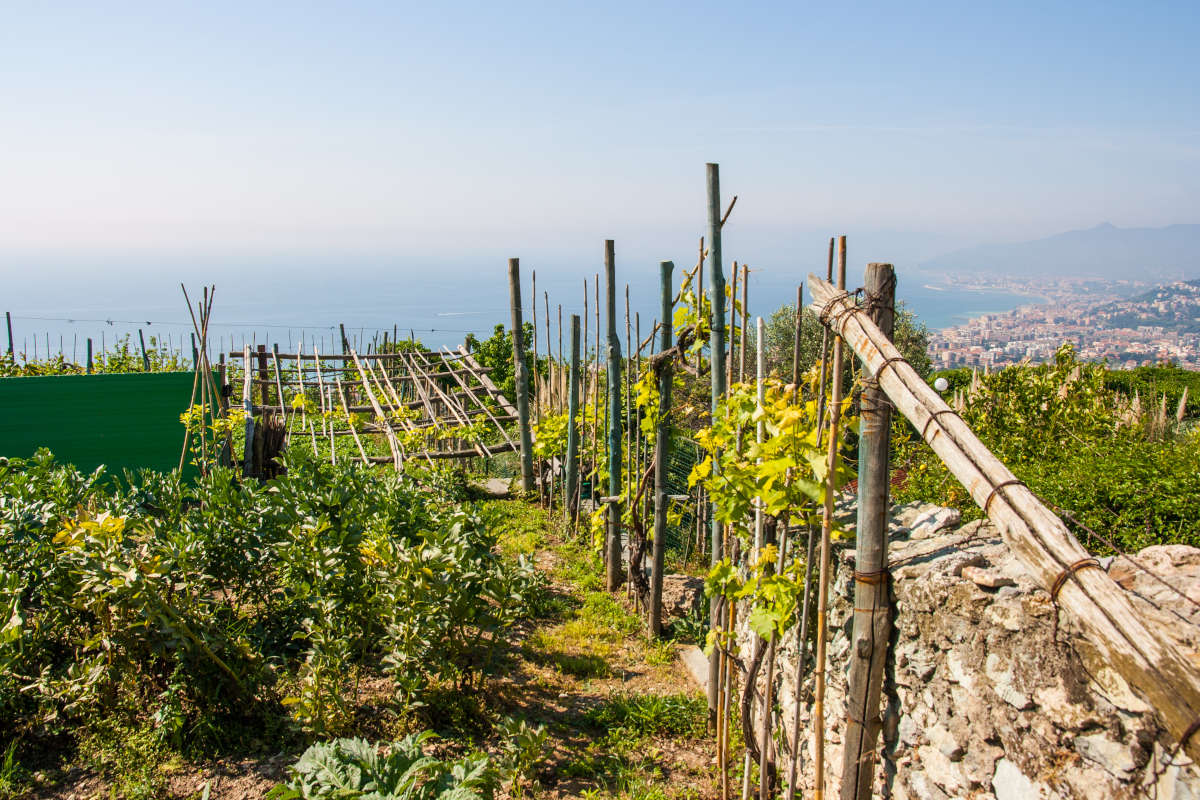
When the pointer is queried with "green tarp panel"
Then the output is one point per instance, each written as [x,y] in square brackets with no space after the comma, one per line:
[123,421]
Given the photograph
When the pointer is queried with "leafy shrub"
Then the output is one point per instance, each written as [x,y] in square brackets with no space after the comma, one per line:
[216,602]
[1087,450]
[354,769]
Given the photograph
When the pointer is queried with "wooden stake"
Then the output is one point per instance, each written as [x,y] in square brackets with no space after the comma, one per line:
[520,376]
[248,408]
[745,317]
[141,339]
[872,627]
[346,410]
[662,442]
[613,544]
[826,533]
[572,483]
[717,357]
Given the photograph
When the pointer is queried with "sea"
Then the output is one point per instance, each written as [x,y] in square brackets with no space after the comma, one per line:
[439,306]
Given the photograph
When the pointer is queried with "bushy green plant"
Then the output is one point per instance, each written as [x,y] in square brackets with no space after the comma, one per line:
[217,601]
[355,769]
[1092,453]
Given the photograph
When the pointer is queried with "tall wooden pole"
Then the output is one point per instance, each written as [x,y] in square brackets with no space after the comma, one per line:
[662,442]
[572,490]
[835,416]
[717,362]
[613,540]
[8,320]
[141,338]
[89,355]
[872,626]
[745,323]
[596,393]
[796,343]
[730,369]
[520,376]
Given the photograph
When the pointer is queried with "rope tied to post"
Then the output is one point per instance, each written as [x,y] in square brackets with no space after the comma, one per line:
[832,318]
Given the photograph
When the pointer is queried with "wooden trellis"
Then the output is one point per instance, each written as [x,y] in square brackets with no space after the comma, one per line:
[406,396]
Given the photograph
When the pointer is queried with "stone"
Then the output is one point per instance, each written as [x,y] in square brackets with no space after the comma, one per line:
[681,595]
[1112,756]
[986,578]
[907,730]
[980,763]
[1002,682]
[942,771]
[924,788]
[923,520]
[1009,783]
[945,742]
[1008,615]
[957,671]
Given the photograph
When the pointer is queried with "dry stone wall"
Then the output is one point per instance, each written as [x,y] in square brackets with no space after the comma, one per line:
[988,692]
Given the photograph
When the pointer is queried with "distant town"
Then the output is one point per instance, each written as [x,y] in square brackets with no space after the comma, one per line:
[1127,323]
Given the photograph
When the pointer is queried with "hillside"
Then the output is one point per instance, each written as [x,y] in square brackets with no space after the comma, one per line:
[1104,251]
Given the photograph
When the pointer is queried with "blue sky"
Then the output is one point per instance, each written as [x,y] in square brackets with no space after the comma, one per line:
[226,133]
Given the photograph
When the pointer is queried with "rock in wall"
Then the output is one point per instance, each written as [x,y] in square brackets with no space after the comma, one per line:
[988,691]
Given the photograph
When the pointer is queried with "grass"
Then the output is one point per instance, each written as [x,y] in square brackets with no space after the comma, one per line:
[522,526]
[132,759]
[681,714]
[13,775]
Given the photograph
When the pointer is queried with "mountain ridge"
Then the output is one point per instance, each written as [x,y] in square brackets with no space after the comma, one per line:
[1104,251]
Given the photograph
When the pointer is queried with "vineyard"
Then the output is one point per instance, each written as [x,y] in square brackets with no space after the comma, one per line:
[335,595]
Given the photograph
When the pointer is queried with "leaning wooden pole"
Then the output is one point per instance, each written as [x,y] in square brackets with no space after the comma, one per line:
[520,378]
[662,441]
[835,415]
[717,364]
[1043,544]
[612,546]
[572,495]
[872,623]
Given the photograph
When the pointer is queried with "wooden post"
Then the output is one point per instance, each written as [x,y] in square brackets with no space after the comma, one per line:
[141,338]
[345,344]
[733,322]
[520,377]
[8,320]
[662,441]
[613,540]
[263,377]
[89,355]
[248,407]
[796,343]
[195,353]
[872,625]
[572,486]
[717,359]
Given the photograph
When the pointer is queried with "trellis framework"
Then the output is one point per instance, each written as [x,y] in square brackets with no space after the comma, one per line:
[411,403]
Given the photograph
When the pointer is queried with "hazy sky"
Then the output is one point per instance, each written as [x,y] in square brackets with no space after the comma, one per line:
[458,131]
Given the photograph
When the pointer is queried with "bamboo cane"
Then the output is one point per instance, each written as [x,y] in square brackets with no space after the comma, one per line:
[826,533]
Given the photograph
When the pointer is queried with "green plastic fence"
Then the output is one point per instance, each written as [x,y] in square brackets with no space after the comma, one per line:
[122,421]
